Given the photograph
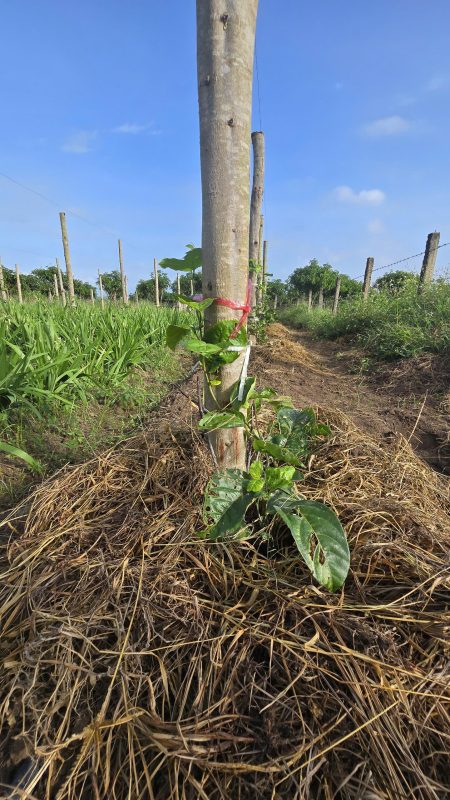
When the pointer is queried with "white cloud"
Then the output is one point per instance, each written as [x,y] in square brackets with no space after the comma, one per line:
[365,197]
[375,226]
[387,126]
[79,142]
[134,128]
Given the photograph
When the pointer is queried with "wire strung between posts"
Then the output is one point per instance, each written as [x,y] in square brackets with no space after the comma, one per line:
[408,258]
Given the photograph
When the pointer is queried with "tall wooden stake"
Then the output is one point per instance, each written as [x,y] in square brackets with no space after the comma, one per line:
[91,291]
[55,284]
[155,272]
[309,299]
[320,300]
[19,285]
[126,289]
[225,50]
[122,275]
[69,273]
[3,294]
[429,259]
[367,277]
[61,284]
[336,296]
[100,286]
[179,305]
[255,232]
[264,266]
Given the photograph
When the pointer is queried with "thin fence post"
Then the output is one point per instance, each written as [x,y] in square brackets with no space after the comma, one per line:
[100,286]
[136,297]
[69,273]
[61,284]
[155,270]
[55,283]
[320,301]
[123,277]
[50,296]
[126,290]
[92,295]
[368,277]
[19,285]
[429,260]
[256,205]
[264,266]
[192,287]
[275,302]
[179,305]
[3,294]
[309,299]
[336,296]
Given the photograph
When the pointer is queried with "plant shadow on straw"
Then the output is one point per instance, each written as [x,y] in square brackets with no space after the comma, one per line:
[140,662]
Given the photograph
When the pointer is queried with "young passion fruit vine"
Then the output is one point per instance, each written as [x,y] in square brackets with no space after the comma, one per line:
[270,485]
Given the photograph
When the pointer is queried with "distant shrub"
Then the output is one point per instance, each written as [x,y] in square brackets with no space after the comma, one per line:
[389,325]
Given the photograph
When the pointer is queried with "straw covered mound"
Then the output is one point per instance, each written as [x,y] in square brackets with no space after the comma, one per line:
[140,662]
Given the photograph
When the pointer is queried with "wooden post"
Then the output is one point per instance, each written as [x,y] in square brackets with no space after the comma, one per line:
[126,289]
[122,275]
[309,299]
[155,271]
[336,295]
[367,277]
[225,52]
[69,273]
[3,294]
[320,301]
[136,297]
[179,305]
[92,295]
[55,284]
[264,270]
[19,285]
[50,296]
[256,205]
[192,286]
[275,302]
[429,260]
[61,284]
[100,286]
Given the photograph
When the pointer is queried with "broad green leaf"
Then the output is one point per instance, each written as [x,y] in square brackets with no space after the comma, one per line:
[197,305]
[224,486]
[177,264]
[276,452]
[314,524]
[255,485]
[199,346]
[174,335]
[279,477]
[233,520]
[11,450]
[219,333]
[191,261]
[215,420]
[256,469]
[247,394]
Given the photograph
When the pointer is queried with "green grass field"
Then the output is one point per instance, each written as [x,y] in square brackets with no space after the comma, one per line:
[388,326]
[75,380]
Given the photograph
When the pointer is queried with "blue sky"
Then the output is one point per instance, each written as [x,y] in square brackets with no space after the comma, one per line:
[99,114]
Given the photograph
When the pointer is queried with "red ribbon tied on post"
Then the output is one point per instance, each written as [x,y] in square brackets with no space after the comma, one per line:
[246,308]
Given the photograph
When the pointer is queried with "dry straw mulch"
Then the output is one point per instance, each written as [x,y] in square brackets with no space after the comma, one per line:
[139,662]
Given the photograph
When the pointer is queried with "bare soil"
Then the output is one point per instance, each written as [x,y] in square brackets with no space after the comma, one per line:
[411,397]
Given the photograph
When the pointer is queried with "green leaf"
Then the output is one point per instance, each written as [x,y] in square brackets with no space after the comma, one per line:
[11,450]
[256,469]
[219,333]
[255,485]
[276,452]
[247,394]
[199,346]
[224,486]
[197,305]
[279,477]
[309,522]
[213,420]
[191,261]
[233,520]
[174,335]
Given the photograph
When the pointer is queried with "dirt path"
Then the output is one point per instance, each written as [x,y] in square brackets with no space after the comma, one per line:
[410,397]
